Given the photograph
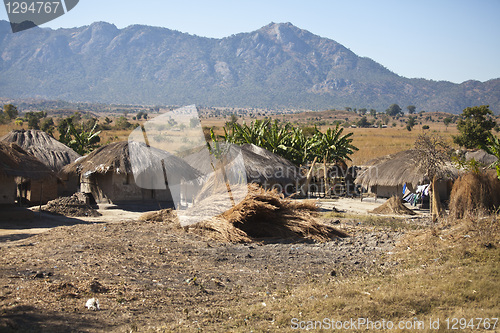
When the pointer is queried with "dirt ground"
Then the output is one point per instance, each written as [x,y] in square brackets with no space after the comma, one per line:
[148,275]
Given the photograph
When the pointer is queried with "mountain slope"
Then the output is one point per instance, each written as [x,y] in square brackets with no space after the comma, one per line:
[276,66]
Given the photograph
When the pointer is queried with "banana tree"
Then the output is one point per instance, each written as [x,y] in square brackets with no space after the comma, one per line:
[83,141]
[492,147]
[333,146]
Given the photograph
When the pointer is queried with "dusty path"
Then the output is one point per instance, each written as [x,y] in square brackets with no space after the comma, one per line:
[36,223]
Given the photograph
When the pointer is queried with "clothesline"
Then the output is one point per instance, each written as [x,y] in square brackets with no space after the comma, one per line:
[413,198]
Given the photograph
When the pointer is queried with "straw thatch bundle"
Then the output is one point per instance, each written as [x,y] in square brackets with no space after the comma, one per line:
[48,150]
[116,157]
[159,216]
[15,162]
[475,194]
[393,206]
[265,214]
[397,169]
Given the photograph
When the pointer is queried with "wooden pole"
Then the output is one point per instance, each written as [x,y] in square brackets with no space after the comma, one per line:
[325,174]
[305,187]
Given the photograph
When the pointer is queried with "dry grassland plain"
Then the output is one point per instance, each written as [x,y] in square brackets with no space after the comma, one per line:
[372,142]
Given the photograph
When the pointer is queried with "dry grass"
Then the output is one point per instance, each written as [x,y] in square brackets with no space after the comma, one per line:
[393,206]
[443,273]
[475,194]
[266,214]
[376,142]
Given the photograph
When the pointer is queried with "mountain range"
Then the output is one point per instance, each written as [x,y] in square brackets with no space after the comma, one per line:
[276,66]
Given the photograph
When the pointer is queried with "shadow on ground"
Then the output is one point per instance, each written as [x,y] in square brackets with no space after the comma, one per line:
[27,319]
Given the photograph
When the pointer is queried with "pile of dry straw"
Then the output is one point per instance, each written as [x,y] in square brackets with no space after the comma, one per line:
[262,214]
[394,205]
[475,193]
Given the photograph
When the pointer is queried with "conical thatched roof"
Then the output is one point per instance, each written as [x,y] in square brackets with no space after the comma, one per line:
[116,157]
[397,169]
[48,150]
[15,162]
[260,164]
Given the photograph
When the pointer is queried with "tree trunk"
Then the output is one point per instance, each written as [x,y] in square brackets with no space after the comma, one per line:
[305,187]
[325,174]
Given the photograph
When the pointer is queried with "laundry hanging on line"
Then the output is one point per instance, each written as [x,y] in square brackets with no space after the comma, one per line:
[413,198]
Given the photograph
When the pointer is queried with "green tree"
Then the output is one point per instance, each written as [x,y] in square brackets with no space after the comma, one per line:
[33,119]
[447,121]
[373,112]
[411,123]
[122,123]
[62,128]
[411,109]
[234,119]
[393,110]
[10,111]
[363,122]
[47,125]
[474,126]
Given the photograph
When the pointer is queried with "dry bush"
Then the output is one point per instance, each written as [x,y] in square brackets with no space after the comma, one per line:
[266,214]
[393,206]
[475,194]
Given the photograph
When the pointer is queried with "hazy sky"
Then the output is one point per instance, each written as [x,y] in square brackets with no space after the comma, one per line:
[454,40]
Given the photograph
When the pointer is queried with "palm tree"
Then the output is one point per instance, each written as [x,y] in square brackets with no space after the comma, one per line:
[334,147]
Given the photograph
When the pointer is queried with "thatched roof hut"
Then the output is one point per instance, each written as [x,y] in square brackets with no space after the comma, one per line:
[18,169]
[261,165]
[116,158]
[128,171]
[386,175]
[15,162]
[48,150]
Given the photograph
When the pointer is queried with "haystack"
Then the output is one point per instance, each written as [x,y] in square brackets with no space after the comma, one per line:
[394,205]
[45,148]
[265,214]
[475,194]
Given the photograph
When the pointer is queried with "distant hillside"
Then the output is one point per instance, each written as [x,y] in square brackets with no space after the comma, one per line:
[276,66]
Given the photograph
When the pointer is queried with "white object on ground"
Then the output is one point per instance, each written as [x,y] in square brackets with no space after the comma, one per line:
[93,304]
